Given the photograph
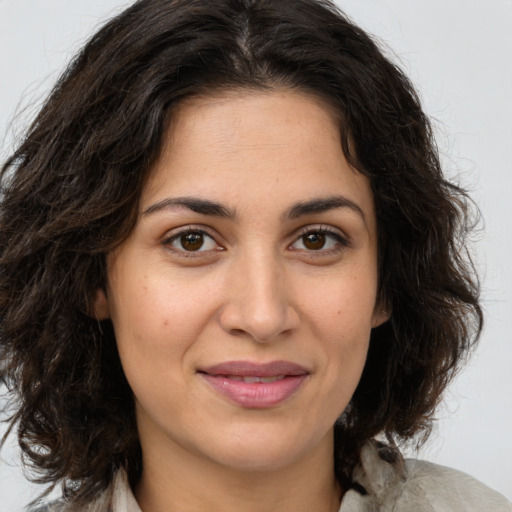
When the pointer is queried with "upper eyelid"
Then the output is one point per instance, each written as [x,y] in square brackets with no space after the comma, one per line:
[342,241]
[322,228]
[304,230]
[189,228]
[183,254]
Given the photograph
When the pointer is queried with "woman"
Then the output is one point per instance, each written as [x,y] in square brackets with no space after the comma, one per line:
[230,261]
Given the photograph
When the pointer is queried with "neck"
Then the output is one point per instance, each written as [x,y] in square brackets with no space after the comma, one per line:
[180,481]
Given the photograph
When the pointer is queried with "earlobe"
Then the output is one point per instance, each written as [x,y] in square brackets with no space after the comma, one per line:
[380,316]
[101,310]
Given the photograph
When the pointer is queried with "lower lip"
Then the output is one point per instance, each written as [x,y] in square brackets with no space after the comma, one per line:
[257,395]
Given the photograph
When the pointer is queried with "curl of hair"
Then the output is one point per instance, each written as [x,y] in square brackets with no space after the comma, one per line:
[70,194]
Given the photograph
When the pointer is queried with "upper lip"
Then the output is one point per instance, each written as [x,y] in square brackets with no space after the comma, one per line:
[254,369]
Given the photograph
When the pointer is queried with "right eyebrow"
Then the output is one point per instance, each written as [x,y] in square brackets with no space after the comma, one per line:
[195,204]
[323,204]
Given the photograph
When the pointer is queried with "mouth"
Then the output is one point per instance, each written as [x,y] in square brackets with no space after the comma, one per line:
[253,380]
[255,385]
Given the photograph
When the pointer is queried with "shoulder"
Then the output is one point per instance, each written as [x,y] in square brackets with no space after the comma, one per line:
[100,504]
[97,505]
[448,489]
[390,483]
[54,506]
[117,497]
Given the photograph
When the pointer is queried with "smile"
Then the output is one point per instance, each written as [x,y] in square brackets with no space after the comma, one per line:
[253,380]
[253,385]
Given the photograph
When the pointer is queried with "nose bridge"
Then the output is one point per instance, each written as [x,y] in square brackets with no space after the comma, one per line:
[259,303]
[265,277]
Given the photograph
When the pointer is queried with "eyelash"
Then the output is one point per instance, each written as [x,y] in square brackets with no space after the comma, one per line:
[340,241]
[168,241]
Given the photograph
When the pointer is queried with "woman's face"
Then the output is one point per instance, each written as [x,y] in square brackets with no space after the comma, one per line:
[244,298]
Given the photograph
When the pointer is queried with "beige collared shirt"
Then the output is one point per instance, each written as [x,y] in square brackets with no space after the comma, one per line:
[386,483]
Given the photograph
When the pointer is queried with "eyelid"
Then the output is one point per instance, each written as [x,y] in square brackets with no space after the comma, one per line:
[175,233]
[342,239]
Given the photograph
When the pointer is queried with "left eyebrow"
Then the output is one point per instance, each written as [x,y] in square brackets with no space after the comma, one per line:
[323,204]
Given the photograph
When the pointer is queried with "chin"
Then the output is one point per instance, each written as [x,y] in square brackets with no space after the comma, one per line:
[265,451]
[253,459]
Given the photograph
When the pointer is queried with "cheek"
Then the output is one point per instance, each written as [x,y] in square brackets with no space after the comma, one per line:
[156,321]
[343,303]
[156,325]
[341,318]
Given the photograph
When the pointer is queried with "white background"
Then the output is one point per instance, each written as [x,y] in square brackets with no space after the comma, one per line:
[459,53]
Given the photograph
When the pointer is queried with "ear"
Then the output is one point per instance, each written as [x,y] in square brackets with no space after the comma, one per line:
[101,309]
[381,314]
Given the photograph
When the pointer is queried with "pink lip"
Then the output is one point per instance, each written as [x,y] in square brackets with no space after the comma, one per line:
[255,395]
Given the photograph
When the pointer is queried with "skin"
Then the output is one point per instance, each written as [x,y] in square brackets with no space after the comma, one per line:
[266,284]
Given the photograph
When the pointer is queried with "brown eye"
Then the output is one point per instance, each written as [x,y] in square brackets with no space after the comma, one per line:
[314,241]
[192,241]
[320,240]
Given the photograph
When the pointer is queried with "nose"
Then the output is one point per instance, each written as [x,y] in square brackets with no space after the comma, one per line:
[259,304]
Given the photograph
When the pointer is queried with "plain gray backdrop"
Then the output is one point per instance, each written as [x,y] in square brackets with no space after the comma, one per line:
[459,55]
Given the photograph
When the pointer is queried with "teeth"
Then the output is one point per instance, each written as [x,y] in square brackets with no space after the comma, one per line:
[271,379]
[254,380]
[251,380]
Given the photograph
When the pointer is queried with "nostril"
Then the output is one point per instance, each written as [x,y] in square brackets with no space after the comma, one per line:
[263,322]
[237,332]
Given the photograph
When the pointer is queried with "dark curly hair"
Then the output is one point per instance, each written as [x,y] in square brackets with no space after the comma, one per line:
[70,194]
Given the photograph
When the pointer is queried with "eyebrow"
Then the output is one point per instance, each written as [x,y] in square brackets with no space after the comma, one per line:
[202,206]
[323,204]
[300,209]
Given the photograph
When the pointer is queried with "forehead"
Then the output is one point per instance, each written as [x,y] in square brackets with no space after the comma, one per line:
[252,147]
[242,120]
